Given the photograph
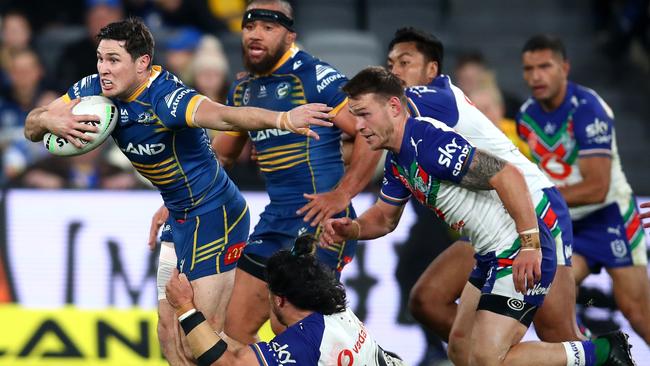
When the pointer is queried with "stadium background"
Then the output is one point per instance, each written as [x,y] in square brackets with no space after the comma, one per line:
[76,278]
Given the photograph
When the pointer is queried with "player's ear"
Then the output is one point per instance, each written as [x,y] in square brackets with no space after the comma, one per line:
[432,70]
[142,63]
[566,67]
[291,37]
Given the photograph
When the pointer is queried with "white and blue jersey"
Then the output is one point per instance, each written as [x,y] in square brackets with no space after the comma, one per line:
[324,340]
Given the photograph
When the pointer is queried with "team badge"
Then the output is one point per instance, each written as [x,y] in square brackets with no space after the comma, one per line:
[282,90]
[247,96]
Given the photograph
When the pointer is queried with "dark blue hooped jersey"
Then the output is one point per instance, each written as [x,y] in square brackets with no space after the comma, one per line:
[155,132]
[294,164]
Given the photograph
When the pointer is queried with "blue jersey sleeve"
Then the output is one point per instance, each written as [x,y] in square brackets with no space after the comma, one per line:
[593,130]
[290,350]
[393,188]
[84,87]
[448,155]
[323,84]
[429,101]
[176,106]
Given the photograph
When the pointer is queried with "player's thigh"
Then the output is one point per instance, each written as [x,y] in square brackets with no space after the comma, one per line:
[444,279]
[249,305]
[211,296]
[555,321]
[631,286]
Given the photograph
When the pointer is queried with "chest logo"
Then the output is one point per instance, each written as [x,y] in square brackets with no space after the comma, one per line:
[282,90]
[247,96]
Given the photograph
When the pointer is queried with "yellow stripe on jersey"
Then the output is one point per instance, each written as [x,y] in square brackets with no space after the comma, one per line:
[161,176]
[338,108]
[156,171]
[234,133]
[289,146]
[262,157]
[66,98]
[192,106]
[281,160]
[187,181]
[267,170]
[153,166]
[153,74]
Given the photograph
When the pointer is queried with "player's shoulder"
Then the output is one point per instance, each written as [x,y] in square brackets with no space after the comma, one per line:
[88,85]
[527,107]
[588,100]
[314,71]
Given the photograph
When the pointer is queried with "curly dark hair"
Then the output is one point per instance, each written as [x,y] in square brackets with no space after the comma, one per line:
[305,282]
[137,35]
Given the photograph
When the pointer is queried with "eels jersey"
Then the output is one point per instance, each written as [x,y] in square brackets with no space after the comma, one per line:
[431,162]
[294,164]
[153,131]
[324,340]
[582,126]
[446,103]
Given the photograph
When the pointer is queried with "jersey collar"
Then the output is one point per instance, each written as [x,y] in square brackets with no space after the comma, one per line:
[153,74]
[287,55]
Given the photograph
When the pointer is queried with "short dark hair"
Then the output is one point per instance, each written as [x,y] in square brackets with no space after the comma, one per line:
[427,44]
[376,80]
[470,57]
[541,42]
[134,32]
[285,6]
[305,282]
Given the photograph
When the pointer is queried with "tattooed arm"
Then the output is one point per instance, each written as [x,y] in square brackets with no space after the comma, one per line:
[487,171]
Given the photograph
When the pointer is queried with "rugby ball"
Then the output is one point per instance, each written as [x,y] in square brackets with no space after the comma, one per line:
[97,105]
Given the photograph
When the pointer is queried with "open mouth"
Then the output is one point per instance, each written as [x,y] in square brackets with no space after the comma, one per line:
[107,84]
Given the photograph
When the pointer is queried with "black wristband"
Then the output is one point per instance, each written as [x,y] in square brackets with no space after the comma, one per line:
[192,321]
[212,355]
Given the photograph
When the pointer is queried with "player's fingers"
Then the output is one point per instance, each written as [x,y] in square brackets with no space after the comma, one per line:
[86,117]
[81,135]
[530,278]
[319,218]
[312,134]
[320,121]
[311,213]
[306,207]
[73,139]
[645,204]
[538,272]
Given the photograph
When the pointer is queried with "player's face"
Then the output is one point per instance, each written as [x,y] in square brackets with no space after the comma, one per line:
[410,66]
[264,43]
[119,74]
[373,120]
[545,73]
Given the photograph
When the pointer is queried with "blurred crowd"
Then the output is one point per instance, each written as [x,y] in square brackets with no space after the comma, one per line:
[47,46]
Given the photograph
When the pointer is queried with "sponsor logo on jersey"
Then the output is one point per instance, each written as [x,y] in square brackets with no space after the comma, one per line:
[549,128]
[124,115]
[421,89]
[267,134]
[616,230]
[323,70]
[282,90]
[415,145]
[327,81]
[282,353]
[233,253]
[345,358]
[173,100]
[598,132]
[447,155]
[262,93]
[143,149]
[324,78]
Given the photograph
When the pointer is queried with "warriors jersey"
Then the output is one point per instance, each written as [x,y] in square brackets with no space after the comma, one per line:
[446,103]
[429,166]
[154,132]
[582,126]
[294,164]
[337,339]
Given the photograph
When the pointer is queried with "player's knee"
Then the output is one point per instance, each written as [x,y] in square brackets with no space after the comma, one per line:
[458,348]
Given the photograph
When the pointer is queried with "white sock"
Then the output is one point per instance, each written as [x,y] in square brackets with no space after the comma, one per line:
[575,354]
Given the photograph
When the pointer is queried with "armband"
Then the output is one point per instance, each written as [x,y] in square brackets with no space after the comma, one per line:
[212,355]
[529,239]
[190,322]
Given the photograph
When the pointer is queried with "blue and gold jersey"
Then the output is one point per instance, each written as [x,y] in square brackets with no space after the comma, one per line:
[294,164]
[154,132]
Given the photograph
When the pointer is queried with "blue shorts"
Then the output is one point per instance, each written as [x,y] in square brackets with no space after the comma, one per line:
[211,243]
[554,212]
[166,233]
[492,273]
[611,238]
[278,228]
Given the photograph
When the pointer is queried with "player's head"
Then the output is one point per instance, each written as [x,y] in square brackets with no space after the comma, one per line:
[415,56]
[545,68]
[376,99]
[124,56]
[297,277]
[267,34]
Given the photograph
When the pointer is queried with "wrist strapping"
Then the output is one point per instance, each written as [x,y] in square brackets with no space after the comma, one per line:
[212,355]
[358,225]
[529,239]
[186,314]
[192,321]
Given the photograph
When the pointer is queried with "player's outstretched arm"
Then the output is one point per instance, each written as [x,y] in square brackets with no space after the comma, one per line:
[205,344]
[322,206]
[645,215]
[217,116]
[57,118]
[487,171]
[377,221]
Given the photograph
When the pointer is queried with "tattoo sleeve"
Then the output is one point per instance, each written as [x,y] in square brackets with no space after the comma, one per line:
[483,167]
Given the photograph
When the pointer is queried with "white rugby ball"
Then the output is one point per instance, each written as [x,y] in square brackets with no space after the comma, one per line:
[97,105]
